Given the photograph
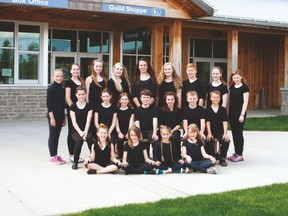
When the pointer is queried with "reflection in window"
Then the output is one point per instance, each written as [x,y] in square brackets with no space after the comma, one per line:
[105,44]
[203,48]
[64,40]
[90,41]
[6,66]
[220,49]
[28,66]
[144,47]
[6,34]
[129,47]
[29,38]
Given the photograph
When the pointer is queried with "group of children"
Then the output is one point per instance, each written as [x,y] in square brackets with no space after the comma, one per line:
[146,139]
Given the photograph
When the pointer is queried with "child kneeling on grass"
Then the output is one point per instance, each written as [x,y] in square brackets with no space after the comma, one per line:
[194,154]
[102,153]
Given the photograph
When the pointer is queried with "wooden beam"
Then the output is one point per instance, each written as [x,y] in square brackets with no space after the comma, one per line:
[157,44]
[185,57]
[175,45]
[117,41]
[286,62]
[232,61]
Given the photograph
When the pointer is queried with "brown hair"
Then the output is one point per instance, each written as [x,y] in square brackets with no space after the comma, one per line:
[165,107]
[150,70]
[221,72]
[80,88]
[103,126]
[79,77]
[238,72]
[145,92]
[122,95]
[137,131]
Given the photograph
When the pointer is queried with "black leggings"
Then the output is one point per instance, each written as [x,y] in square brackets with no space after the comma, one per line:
[79,142]
[70,142]
[54,134]
[237,134]
[173,165]
[138,168]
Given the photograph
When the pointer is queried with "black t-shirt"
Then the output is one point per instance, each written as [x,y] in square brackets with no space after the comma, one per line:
[170,118]
[144,84]
[221,88]
[166,153]
[194,116]
[236,99]
[135,155]
[102,156]
[124,119]
[81,114]
[115,92]
[72,85]
[216,120]
[94,93]
[105,114]
[145,116]
[194,86]
[163,88]
[193,149]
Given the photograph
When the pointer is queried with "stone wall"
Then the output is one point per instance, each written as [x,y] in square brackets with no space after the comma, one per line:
[23,103]
[284,101]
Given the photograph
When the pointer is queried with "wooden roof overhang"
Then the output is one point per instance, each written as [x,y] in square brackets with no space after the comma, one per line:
[88,14]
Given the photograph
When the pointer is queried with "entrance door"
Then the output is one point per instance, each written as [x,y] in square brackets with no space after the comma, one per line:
[85,63]
[203,71]
[63,61]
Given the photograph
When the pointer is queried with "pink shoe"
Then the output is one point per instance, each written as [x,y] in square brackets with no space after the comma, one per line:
[54,160]
[59,158]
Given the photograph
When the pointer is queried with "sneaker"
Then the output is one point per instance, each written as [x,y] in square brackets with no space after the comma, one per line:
[188,170]
[54,160]
[237,158]
[232,157]
[75,166]
[159,172]
[212,170]
[90,171]
[80,160]
[179,170]
[146,172]
[223,163]
[60,159]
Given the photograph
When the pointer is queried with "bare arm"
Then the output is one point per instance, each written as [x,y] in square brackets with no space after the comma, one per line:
[67,95]
[87,85]
[224,100]
[207,156]
[96,118]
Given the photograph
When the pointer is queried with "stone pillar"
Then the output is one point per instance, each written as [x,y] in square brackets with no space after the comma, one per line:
[284,91]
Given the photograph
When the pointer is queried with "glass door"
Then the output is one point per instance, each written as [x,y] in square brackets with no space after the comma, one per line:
[63,61]
[85,63]
[203,71]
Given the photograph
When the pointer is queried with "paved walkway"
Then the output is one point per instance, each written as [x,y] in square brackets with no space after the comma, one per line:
[29,185]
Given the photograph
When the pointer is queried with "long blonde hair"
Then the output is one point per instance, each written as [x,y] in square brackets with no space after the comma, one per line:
[124,76]
[163,128]
[194,128]
[176,79]
[102,74]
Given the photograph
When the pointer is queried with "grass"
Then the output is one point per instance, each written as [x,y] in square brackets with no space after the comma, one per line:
[262,201]
[277,123]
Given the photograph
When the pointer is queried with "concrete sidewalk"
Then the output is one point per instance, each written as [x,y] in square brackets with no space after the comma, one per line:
[29,185]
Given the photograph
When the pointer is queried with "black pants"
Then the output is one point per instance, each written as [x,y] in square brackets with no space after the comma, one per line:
[224,146]
[54,134]
[70,142]
[79,142]
[237,134]
[138,168]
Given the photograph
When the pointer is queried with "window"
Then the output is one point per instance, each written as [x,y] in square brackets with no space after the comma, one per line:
[133,50]
[28,52]
[165,49]
[6,53]
[63,40]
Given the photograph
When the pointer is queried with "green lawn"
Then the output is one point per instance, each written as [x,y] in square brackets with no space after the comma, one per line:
[262,201]
[277,123]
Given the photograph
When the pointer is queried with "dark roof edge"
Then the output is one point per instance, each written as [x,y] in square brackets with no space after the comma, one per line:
[204,6]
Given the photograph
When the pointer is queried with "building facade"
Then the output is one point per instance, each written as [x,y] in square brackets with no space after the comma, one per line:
[38,36]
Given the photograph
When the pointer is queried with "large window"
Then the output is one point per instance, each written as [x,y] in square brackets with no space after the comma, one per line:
[19,49]
[133,50]
[7,52]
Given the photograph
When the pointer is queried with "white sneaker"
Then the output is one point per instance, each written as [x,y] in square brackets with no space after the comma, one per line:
[212,170]
[81,160]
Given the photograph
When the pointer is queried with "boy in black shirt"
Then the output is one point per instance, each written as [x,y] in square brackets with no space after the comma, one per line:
[146,119]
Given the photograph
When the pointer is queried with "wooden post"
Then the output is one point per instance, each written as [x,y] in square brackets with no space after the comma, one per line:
[232,51]
[157,47]
[175,45]
[286,62]
[117,41]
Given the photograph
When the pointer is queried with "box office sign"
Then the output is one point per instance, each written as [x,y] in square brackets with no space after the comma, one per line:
[133,10]
[42,3]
